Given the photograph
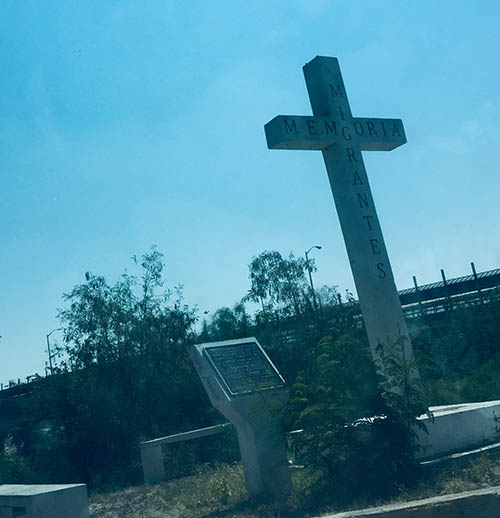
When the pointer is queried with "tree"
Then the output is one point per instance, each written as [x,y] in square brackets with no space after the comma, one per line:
[278,284]
[228,323]
[127,376]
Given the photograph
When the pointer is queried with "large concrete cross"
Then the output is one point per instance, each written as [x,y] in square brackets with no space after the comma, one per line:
[341,138]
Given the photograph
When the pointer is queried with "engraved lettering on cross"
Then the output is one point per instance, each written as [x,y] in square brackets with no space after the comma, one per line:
[341,138]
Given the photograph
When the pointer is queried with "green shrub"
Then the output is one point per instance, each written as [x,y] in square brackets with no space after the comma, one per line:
[359,435]
[484,383]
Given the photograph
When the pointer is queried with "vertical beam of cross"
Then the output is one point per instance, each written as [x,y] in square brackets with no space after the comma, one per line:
[341,138]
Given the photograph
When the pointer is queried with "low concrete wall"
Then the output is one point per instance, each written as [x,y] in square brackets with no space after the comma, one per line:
[454,428]
[483,503]
[458,428]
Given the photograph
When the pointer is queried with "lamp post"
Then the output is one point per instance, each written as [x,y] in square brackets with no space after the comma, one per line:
[48,347]
[308,266]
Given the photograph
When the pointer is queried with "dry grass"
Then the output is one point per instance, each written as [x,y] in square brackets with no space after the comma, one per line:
[219,492]
[211,491]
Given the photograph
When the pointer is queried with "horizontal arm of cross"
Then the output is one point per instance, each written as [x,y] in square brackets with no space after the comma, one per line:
[299,132]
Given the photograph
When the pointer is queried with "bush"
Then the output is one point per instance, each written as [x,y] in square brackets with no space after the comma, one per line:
[358,436]
[484,383]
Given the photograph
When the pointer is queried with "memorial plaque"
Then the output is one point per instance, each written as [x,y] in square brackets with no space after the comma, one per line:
[243,367]
[245,386]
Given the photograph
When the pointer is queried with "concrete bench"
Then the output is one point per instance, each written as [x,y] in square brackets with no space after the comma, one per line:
[44,501]
[152,453]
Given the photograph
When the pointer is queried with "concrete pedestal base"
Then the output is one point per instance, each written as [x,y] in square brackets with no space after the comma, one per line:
[264,458]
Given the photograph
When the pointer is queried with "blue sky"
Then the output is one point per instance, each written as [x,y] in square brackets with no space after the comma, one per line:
[131,123]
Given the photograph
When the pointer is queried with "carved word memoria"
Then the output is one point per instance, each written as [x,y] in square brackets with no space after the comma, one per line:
[316,126]
[301,132]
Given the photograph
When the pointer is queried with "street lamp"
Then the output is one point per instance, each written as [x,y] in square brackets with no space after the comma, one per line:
[308,266]
[48,348]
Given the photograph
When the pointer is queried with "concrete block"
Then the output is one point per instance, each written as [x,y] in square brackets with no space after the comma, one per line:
[45,501]
[153,466]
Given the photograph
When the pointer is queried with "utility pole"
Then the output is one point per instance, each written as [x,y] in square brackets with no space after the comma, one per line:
[308,266]
[48,348]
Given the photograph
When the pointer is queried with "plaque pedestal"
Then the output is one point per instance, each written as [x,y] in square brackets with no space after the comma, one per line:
[244,385]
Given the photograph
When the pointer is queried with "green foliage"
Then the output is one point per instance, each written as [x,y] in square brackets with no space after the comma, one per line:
[227,323]
[13,470]
[458,352]
[126,376]
[279,285]
[401,387]
[358,440]
[112,324]
[484,383]
[184,458]
[287,324]
[452,344]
